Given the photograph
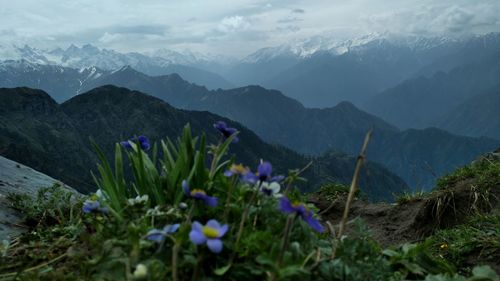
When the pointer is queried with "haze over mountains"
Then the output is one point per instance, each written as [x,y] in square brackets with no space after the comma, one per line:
[432,101]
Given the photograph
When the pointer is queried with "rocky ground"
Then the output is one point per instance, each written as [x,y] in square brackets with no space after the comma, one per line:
[17,178]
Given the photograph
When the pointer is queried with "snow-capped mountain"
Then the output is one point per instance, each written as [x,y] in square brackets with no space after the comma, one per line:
[162,62]
[61,82]
[305,48]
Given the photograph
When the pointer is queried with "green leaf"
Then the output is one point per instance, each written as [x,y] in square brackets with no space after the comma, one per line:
[222,270]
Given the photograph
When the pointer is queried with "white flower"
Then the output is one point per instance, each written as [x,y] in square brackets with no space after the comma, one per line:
[101,194]
[138,200]
[141,272]
[155,212]
[272,188]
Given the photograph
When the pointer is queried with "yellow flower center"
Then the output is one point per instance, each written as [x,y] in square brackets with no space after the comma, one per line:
[197,191]
[239,169]
[210,232]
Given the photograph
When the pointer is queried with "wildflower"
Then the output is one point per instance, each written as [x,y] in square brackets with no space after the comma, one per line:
[199,194]
[140,272]
[226,131]
[183,206]
[101,194]
[155,212]
[443,246]
[92,206]
[209,234]
[158,235]
[300,209]
[236,170]
[138,200]
[270,189]
[264,174]
[144,143]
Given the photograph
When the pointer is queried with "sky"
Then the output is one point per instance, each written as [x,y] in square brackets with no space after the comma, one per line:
[232,27]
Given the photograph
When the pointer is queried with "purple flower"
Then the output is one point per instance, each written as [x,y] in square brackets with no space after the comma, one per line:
[158,235]
[209,234]
[199,194]
[288,207]
[264,174]
[142,140]
[226,132]
[91,206]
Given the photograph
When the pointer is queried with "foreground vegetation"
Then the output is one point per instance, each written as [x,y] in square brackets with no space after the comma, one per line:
[186,212]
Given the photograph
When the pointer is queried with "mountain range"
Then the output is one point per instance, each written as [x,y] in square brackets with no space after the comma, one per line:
[424,101]
[281,120]
[320,71]
[89,56]
[401,83]
[54,138]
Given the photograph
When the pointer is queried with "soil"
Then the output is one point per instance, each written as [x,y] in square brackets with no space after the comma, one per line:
[413,221]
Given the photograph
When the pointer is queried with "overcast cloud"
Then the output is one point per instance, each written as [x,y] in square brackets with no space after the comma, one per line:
[232,27]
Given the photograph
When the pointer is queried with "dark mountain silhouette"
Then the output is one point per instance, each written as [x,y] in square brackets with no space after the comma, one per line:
[54,138]
[279,119]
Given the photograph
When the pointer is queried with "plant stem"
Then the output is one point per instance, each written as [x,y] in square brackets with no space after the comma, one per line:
[213,165]
[190,213]
[244,217]
[228,198]
[286,238]
[175,255]
[284,244]
[354,186]
[289,185]
[196,272]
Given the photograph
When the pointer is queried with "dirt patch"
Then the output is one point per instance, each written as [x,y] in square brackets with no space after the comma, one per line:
[394,224]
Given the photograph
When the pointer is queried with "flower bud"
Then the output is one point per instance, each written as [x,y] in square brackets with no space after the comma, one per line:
[141,272]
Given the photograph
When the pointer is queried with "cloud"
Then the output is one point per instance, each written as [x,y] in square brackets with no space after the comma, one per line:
[288,28]
[232,24]
[239,28]
[439,20]
[110,38]
[290,20]
[139,29]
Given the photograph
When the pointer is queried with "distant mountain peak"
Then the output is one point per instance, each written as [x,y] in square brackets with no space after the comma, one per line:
[346,105]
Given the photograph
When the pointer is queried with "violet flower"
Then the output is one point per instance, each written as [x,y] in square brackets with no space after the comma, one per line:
[143,141]
[199,195]
[264,174]
[288,207]
[158,235]
[226,131]
[92,206]
[209,234]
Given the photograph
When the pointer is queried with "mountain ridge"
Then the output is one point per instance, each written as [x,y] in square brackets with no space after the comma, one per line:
[110,114]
